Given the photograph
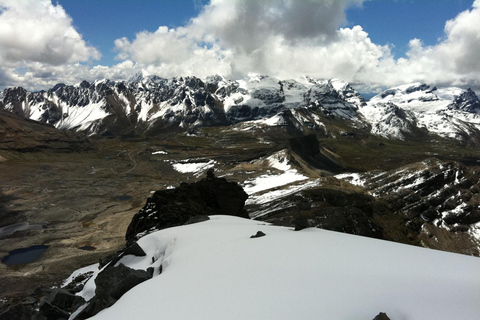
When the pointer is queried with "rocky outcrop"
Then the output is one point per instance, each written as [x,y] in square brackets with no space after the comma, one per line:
[111,284]
[44,304]
[382,316]
[170,208]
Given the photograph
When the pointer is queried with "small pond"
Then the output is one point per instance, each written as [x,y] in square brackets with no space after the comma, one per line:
[24,255]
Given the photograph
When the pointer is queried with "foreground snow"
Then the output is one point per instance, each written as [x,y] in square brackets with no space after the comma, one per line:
[214,270]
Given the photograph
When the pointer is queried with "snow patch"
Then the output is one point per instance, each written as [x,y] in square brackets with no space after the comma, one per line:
[353,178]
[160,152]
[196,168]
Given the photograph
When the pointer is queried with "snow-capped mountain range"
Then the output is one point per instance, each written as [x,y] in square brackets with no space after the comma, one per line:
[151,103]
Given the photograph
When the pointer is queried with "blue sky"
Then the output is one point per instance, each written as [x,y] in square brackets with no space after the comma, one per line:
[393,22]
[398,21]
[371,43]
[102,21]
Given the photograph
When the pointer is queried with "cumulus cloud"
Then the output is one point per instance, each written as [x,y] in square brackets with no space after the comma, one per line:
[235,37]
[284,38]
[290,38]
[38,31]
[454,60]
[244,25]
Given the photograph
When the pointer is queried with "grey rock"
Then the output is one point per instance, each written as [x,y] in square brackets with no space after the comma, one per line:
[382,316]
[258,235]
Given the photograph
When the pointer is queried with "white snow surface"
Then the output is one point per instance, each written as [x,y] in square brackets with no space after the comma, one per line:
[214,270]
[195,167]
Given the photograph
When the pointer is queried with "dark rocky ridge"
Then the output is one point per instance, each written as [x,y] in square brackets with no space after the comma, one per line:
[23,135]
[169,208]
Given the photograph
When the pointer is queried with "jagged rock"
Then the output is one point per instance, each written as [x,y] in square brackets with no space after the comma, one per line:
[382,316]
[259,234]
[114,282]
[111,284]
[17,312]
[52,312]
[64,300]
[169,208]
[135,250]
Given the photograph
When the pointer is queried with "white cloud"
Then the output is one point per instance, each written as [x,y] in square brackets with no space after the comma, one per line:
[290,38]
[244,25]
[453,61]
[38,31]
[284,38]
[37,76]
[235,37]
[39,45]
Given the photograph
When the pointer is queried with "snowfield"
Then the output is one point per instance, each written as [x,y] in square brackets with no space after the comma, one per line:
[214,270]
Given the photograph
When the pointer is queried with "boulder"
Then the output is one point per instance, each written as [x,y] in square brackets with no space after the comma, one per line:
[64,300]
[115,281]
[17,312]
[134,250]
[111,284]
[175,207]
[382,316]
[52,312]
[259,234]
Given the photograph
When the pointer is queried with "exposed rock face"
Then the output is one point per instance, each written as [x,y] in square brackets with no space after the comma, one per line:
[44,304]
[468,101]
[169,208]
[431,191]
[111,284]
[436,200]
